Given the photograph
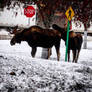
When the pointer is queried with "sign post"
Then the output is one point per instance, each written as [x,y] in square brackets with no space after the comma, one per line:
[69,13]
[67,39]
[29,11]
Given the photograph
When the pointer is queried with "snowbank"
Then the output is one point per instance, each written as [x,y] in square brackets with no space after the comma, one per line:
[19,72]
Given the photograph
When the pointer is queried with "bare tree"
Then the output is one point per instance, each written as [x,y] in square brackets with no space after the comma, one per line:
[47,9]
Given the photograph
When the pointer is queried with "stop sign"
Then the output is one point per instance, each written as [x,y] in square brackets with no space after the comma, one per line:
[29,11]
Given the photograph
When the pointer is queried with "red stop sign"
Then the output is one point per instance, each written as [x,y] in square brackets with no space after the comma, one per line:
[29,11]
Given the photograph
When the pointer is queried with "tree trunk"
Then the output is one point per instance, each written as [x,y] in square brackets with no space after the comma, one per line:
[44,53]
[85,40]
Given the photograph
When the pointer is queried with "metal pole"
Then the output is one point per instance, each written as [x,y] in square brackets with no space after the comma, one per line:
[85,39]
[68,27]
[28,21]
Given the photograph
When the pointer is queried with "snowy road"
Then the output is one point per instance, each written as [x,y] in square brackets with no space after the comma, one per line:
[19,72]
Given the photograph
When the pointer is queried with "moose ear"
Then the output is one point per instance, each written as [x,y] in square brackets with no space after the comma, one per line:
[14,30]
[16,27]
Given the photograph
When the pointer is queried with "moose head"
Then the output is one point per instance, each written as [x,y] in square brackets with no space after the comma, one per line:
[17,38]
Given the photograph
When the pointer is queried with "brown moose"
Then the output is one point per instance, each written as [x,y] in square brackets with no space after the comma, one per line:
[75,41]
[37,36]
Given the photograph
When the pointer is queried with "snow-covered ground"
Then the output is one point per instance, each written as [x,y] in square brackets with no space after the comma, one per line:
[19,72]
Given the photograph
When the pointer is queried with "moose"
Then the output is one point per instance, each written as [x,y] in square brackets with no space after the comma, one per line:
[37,36]
[75,41]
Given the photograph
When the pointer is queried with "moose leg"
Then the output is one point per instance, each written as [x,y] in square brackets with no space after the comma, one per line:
[74,55]
[49,53]
[77,56]
[33,51]
[58,52]
[68,55]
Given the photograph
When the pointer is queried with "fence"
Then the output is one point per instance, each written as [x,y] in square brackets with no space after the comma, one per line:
[5,37]
[82,31]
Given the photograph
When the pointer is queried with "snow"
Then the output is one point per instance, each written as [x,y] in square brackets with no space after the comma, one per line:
[19,72]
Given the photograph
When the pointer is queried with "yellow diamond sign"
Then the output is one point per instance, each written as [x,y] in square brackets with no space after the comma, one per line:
[69,13]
